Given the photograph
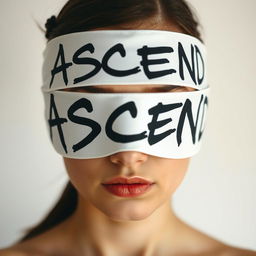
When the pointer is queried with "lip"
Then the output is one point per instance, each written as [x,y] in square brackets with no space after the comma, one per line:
[124,180]
[128,187]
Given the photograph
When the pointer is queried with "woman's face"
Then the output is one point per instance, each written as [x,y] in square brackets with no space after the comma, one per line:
[89,176]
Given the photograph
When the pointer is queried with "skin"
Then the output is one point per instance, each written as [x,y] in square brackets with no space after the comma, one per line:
[104,224]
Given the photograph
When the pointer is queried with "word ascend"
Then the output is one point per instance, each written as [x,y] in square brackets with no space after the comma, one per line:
[194,63]
[151,134]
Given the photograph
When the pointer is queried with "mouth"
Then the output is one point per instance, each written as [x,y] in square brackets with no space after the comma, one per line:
[128,187]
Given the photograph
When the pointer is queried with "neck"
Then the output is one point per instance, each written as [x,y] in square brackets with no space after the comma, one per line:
[96,234]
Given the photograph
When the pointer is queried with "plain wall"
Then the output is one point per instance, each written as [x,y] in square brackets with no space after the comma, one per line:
[218,194]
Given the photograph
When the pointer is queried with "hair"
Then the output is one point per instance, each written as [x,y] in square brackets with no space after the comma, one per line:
[84,15]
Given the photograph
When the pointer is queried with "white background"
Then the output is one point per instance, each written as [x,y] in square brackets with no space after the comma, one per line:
[218,195]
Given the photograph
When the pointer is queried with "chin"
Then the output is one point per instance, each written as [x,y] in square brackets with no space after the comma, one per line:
[128,211]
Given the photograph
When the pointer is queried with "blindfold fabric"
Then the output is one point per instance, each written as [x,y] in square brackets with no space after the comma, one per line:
[92,125]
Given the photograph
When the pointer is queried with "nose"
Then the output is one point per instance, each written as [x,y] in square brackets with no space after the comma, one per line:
[129,159]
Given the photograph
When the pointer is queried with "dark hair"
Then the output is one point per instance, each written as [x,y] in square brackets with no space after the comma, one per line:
[83,15]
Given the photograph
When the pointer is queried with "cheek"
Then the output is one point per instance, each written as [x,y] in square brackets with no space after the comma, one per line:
[80,181]
[173,174]
[83,176]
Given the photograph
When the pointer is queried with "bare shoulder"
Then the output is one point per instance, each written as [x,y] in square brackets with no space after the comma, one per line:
[46,244]
[235,251]
[19,252]
[207,245]
[11,252]
[27,248]
[221,249]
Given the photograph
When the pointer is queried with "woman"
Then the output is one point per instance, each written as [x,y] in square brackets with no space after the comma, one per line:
[94,216]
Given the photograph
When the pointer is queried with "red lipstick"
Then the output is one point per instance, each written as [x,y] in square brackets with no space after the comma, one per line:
[127,187]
